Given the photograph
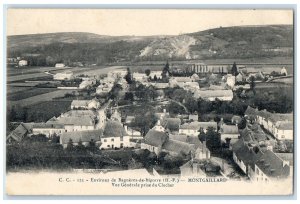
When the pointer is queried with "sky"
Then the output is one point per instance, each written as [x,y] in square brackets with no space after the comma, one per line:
[138,22]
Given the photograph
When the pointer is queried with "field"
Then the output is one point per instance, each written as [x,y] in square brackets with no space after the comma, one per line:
[27,93]
[40,112]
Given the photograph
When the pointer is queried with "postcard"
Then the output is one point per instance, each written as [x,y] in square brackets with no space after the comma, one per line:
[149,101]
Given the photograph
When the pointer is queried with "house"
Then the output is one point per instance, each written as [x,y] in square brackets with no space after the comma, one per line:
[114,136]
[229,131]
[67,75]
[193,117]
[129,119]
[192,129]
[270,167]
[283,130]
[178,148]
[245,156]
[158,127]
[280,125]
[171,124]
[283,71]
[73,123]
[23,63]
[154,141]
[86,83]
[211,95]
[59,65]
[287,158]
[85,137]
[195,77]
[18,134]
[230,80]
[200,150]
[240,77]
[116,116]
[139,76]
[160,85]
[192,169]
[236,119]
[85,104]
[104,88]
[155,73]
[48,129]
[260,166]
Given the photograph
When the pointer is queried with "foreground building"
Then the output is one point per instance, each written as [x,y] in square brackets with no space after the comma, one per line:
[259,165]
[114,136]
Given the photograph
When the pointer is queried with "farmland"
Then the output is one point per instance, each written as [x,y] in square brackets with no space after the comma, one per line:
[27,93]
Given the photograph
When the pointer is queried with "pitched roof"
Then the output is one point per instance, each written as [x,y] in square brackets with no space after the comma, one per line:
[188,168]
[250,111]
[78,121]
[282,125]
[80,102]
[246,153]
[289,157]
[178,147]
[182,79]
[229,129]
[171,123]
[272,165]
[48,125]
[113,129]
[83,136]
[155,138]
[20,132]
[79,113]
[213,93]
[253,133]
[197,125]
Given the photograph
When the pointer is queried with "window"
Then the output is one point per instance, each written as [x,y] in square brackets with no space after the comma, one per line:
[257,171]
[108,145]
[121,139]
[282,136]
[121,145]
[112,140]
[105,140]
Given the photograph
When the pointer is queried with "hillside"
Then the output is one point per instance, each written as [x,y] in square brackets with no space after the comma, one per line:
[219,43]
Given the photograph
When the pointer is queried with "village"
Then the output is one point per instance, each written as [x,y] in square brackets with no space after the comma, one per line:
[185,120]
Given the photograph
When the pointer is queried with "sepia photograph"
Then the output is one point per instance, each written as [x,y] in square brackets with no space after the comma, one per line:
[109,101]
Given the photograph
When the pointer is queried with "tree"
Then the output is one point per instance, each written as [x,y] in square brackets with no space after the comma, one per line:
[70,146]
[166,71]
[234,70]
[242,124]
[155,78]
[202,135]
[80,148]
[92,146]
[128,76]
[129,96]
[147,72]
[213,139]
[252,84]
